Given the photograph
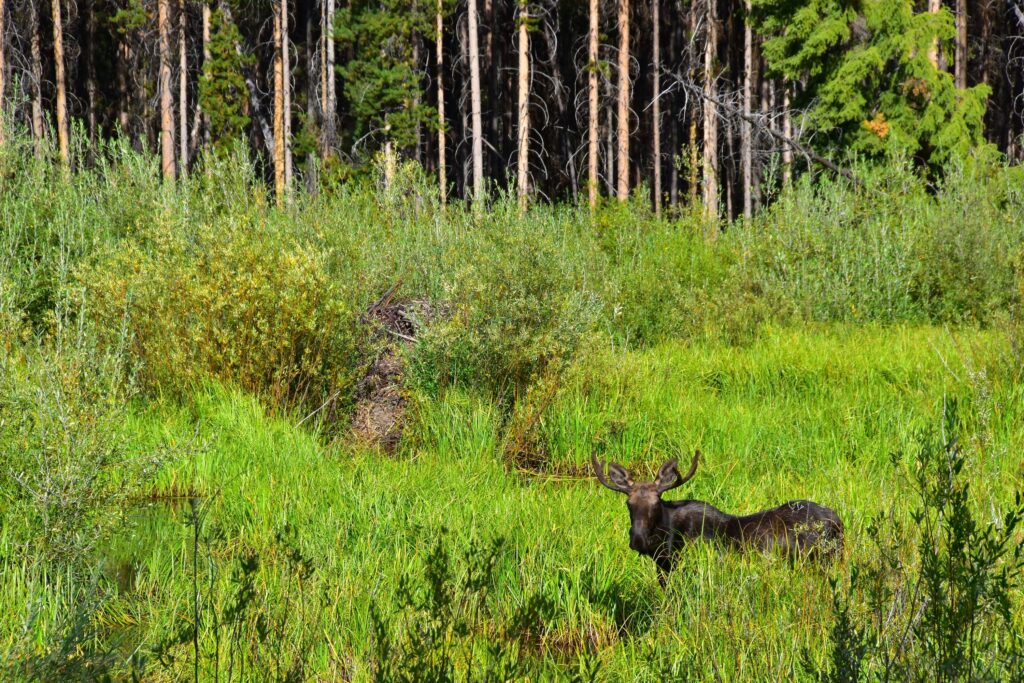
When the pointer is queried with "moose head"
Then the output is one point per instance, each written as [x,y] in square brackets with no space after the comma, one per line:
[648,529]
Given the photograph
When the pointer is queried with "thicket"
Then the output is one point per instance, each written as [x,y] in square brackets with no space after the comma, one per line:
[948,612]
[115,286]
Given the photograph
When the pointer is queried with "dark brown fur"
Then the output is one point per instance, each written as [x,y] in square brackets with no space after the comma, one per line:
[658,528]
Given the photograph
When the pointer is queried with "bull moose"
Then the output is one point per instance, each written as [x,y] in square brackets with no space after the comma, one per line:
[796,528]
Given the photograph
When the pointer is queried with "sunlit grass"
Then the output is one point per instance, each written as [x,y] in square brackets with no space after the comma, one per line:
[798,414]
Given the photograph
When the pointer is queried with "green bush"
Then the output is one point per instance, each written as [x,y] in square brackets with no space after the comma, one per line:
[66,467]
[892,250]
[949,613]
[519,309]
[242,302]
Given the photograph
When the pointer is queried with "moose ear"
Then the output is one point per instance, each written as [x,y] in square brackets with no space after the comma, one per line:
[620,476]
[668,476]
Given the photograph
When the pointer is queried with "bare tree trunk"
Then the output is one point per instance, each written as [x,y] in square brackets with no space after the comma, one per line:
[328,83]
[933,52]
[166,104]
[286,83]
[123,56]
[746,130]
[278,109]
[592,66]
[200,131]
[609,156]
[523,128]
[35,49]
[710,119]
[622,166]
[182,88]
[960,63]
[474,84]
[656,105]
[416,93]
[90,72]
[63,133]
[787,132]
[3,68]
[694,157]
[311,94]
[442,171]
[389,158]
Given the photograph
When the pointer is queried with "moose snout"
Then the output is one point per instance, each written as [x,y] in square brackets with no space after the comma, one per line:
[637,541]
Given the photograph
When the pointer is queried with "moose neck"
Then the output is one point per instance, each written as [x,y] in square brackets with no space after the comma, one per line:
[695,518]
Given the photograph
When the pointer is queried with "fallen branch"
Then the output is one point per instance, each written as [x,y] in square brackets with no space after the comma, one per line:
[807,152]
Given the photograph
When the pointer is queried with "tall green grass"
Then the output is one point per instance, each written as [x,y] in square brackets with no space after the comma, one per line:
[812,414]
[165,514]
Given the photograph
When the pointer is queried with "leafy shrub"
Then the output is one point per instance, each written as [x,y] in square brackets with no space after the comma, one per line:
[890,250]
[445,629]
[66,467]
[242,303]
[518,312]
[949,614]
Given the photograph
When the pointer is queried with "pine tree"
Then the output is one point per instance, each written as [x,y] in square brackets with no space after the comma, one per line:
[869,81]
[222,88]
[381,81]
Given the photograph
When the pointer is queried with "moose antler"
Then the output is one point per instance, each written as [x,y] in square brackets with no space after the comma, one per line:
[616,472]
[668,475]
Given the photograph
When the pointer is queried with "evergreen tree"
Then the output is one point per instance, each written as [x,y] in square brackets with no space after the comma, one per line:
[222,89]
[868,82]
[381,81]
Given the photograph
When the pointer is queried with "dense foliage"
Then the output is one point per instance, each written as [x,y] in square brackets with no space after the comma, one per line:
[868,79]
[179,499]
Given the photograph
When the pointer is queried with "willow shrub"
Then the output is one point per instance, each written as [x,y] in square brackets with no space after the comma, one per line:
[234,300]
[892,250]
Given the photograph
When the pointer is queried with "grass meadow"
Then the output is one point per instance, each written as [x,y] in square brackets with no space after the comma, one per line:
[178,505]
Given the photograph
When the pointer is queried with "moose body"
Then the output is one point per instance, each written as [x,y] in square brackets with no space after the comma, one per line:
[658,528]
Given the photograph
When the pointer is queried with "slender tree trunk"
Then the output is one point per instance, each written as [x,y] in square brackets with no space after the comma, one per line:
[279,180]
[201,131]
[166,104]
[417,146]
[90,73]
[746,130]
[656,105]
[389,158]
[442,170]
[692,146]
[787,132]
[609,156]
[592,112]
[63,134]
[36,56]
[523,128]
[123,56]
[710,120]
[960,63]
[933,52]
[489,66]
[474,84]
[182,87]
[622,166]
[286,83]
[330,98]
[311,95]
[3,68]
